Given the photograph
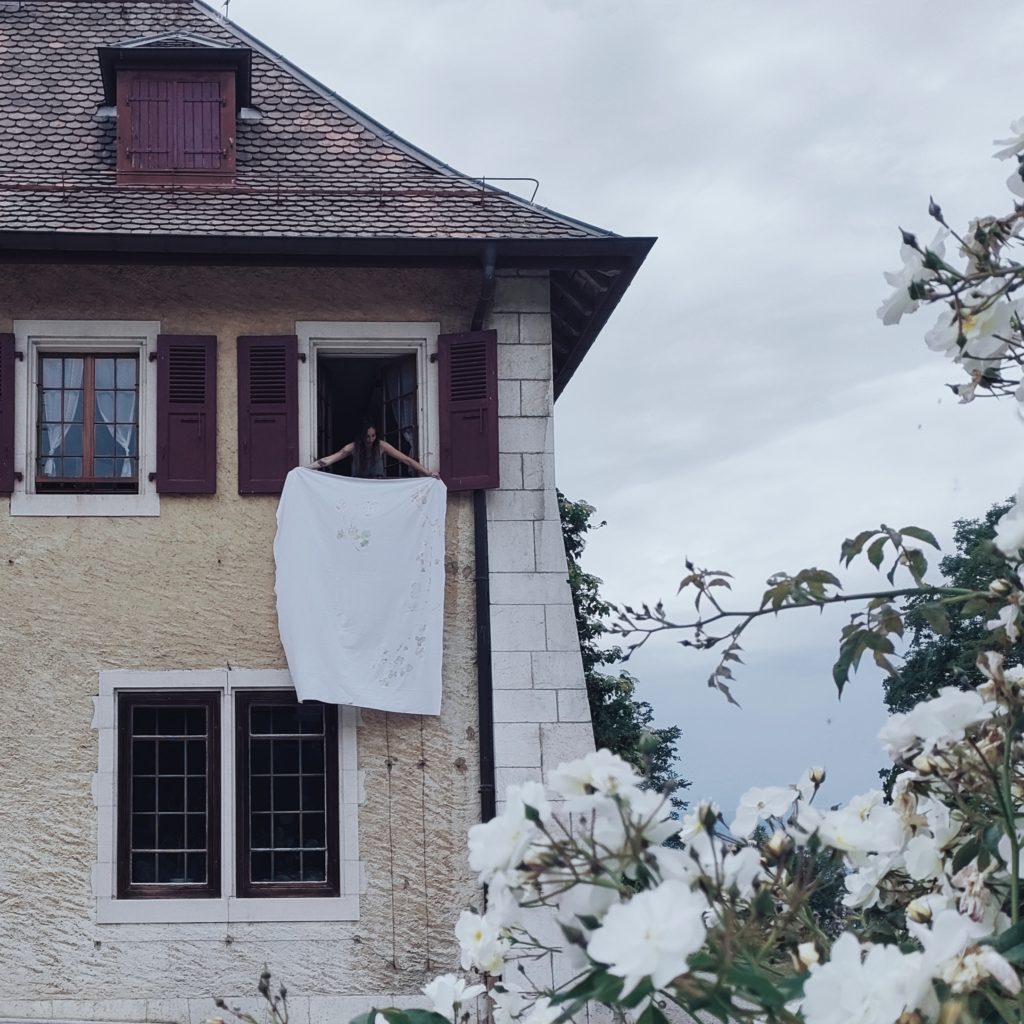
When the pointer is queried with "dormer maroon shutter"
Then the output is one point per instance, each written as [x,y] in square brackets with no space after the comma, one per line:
[186,412]
[206,113]
[6,413]
[268,412]
[468,409]
[147,134]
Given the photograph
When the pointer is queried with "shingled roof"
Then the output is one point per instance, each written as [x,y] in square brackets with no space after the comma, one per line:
[312,165]
[316,178]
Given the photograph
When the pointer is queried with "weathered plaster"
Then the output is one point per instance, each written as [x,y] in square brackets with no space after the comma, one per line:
[193,589]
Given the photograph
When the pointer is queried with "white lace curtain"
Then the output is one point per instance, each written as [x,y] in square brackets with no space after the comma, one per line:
[71,396]
[122,433]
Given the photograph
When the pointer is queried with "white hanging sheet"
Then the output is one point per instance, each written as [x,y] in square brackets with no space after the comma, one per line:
[360,589]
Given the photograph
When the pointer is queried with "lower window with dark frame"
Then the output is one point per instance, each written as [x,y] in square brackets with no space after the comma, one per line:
[287,796]
[168,828]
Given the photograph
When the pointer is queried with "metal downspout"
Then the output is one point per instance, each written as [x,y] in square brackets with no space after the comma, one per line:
[484,675]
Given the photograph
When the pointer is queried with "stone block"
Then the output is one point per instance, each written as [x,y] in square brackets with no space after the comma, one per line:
[524,362]
[341,1009]
[512,670]
[538,470]
[573,706]
[510,471]
[519,505]
[510,546]
[104,1009]
[557,670]
[505,777]
[564,741]
[173,1011]
[560,627]
[518,627]
[525,706]
[536,398]
[522,295]
[534,329]
[517,745]
[31,1009]
[509,401]
[507,327]
[530,434]
[530,588]
[549,545]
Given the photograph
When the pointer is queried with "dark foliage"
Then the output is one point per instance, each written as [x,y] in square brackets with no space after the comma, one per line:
[935,660]
[622,723]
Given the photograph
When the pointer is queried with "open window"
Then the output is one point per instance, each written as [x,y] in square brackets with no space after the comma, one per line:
[358,390]
[351,374]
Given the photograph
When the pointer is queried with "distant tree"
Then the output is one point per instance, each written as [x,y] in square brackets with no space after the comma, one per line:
[622,723]
[936,659]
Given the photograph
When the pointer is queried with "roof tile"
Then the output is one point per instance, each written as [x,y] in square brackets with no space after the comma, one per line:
[311,166]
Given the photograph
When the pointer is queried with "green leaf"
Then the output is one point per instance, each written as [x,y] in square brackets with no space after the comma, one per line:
[852,548]
[598,985]
[917,564]
[875,551]
[965,854]
[919,534]
[424,1017]
[1013,936]
[757,984]
[936,617]
[975,606]
[1015,954]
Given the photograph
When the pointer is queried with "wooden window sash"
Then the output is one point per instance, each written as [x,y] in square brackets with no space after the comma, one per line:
[126,889]
[87,482]
[245,888]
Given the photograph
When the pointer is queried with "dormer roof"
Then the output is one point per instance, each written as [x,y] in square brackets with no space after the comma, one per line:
[179,50]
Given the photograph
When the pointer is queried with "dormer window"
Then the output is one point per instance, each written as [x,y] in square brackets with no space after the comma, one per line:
[178,125]
[177,98]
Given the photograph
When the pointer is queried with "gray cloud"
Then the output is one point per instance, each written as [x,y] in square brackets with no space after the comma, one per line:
[743,406]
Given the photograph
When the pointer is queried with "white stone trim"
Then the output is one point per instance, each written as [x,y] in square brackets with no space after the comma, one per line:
[370,339]
[228,908]
[35,336]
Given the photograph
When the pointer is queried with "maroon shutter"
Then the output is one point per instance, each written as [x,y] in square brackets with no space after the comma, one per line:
[268,412]
[201,103]
[186,413]
[468,409]
[147,142]
[6,413]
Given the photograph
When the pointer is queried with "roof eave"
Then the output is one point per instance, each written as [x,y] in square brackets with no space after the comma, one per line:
[618,257]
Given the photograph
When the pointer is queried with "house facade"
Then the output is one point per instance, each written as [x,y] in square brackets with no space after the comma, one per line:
[215,269]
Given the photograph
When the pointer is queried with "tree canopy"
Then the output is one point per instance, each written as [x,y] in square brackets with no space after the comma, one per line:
[937,658]
[622,723]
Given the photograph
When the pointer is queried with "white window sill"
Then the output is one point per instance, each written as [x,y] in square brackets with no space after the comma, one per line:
[23,504]
[226,911]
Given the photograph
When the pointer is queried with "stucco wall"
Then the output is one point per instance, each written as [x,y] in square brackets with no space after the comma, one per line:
[193,588]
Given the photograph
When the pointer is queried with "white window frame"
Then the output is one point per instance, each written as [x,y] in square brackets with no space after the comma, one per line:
[33,337]
[370,339]
[228,908]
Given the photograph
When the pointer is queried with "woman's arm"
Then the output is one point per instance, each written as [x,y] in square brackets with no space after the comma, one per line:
[327,460]
[411,463]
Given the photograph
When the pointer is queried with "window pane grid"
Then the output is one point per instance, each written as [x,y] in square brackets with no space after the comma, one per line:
[287,794]
[168,798]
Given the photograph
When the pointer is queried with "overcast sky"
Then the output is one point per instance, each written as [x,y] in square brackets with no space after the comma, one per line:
[743,407]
